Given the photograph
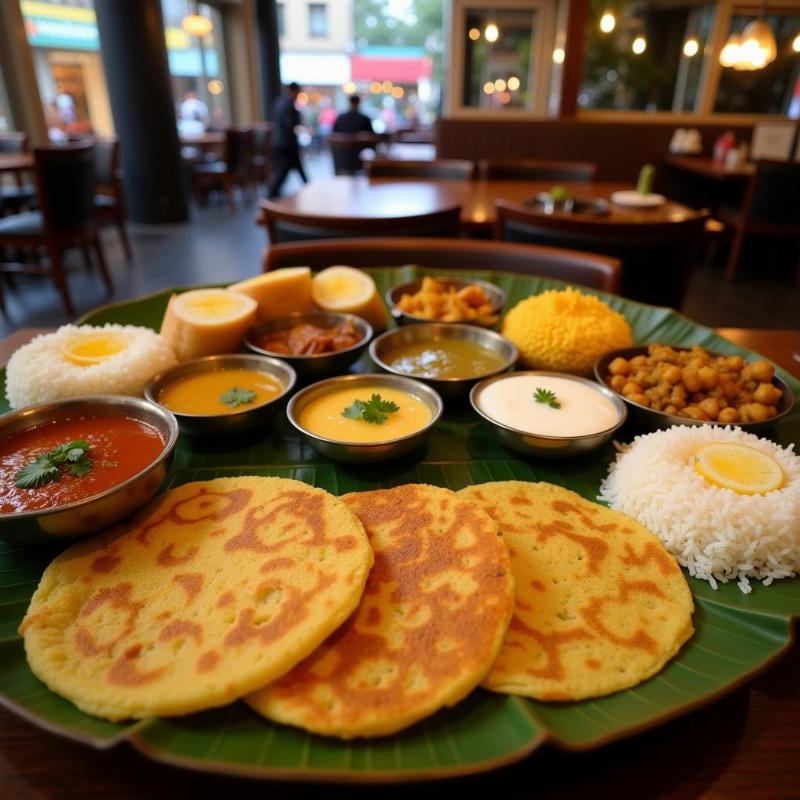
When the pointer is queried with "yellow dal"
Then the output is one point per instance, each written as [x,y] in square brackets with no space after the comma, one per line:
[200,393]
[323,416]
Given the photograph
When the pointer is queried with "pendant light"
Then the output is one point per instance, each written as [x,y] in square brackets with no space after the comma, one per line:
[754,49]
[608,21]
[197,25]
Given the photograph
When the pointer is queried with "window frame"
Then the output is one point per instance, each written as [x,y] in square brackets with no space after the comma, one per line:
[311,33]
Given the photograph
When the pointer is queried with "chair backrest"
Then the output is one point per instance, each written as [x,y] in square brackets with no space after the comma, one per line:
[289,226]
[773,196]
[585,269]
[107,171]
[239,148]
[346,149]
[65,178]
[657,257]
[13,142]
[535,170]
[454,169]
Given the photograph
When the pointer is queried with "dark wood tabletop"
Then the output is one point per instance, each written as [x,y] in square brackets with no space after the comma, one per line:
[372,198]
[741,747]
[16,162]
[708,168]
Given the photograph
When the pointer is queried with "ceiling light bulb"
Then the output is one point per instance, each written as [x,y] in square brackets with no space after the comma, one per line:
[691,47]
[491,32]
[513,83]
[474,34]
[639,45]
[796,43]
[197,25]
[608,22]
[488,87]
[559,55]
[758,42]
[500,85]
[730,53]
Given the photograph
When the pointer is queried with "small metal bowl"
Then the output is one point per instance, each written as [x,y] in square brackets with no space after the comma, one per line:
[451,389]
[648,420]
[320,365]
[357,453]
[235,422]
[497,297]
[541,445]
[101,510]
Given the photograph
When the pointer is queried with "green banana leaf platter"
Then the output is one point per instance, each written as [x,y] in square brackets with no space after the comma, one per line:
[737,635]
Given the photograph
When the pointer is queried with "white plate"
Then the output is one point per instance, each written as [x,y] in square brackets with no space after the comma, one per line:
[632,198]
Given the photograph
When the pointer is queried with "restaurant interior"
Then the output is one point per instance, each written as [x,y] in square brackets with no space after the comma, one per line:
[595,202]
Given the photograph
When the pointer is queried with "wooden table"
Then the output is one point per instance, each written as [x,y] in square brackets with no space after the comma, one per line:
[742,747]
[16,162]
[372,198]
[708,168]
[207,139]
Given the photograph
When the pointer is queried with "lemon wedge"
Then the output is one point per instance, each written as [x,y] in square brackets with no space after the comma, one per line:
[279,293]
[204,322]
[91,348]
[739,467]
[346,290]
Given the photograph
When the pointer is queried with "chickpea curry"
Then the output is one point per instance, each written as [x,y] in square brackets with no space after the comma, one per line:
[697,384]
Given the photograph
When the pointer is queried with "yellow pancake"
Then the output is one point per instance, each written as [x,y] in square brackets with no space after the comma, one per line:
[431,622]
[215,589]
[600,604]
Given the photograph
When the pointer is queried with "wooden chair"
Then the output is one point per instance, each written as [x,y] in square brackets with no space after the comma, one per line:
[236,169]
[109,198]
[17,195]
[346,150]
[585,269]
[290,226]
[448,168]
[657,257]
[262,152]
[528,169]
[771,207]
[65,183]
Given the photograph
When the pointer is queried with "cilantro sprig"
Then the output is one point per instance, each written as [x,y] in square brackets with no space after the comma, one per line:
[236,396]
[376,410]
[547,397]
[72,458]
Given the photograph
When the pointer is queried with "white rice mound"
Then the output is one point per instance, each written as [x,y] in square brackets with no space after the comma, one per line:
[38,372]
[717,534]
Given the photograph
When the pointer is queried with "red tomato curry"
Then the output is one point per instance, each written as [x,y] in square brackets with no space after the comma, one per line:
[119,448]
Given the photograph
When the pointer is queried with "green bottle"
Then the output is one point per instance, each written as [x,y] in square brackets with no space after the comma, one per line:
[645,183]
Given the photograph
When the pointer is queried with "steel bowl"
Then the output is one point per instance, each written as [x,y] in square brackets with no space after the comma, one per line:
[234,422]
[357,453]
[451,389]
[497,297]
[320,365]
[101,510]
[648,420]
[542,445]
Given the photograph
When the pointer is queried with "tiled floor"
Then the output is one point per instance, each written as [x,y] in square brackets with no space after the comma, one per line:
[218,247]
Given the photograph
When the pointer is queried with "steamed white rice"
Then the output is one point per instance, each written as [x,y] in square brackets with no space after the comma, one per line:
[717,534]
[38,372]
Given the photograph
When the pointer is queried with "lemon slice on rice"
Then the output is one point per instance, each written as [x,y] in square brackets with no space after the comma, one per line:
[739,467]
[87,349]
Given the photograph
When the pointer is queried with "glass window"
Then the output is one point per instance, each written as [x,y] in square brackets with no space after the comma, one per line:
[773,89]
[6,124]
[645,55]
[281,12]
[317,20]
[498,56]
[197,68]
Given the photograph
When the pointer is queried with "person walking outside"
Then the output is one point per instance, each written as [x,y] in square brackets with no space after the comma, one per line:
[285,147]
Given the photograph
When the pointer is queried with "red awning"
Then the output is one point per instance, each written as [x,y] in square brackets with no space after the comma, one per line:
[396,70]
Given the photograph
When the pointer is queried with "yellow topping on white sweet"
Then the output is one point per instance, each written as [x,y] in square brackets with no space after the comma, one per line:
[87,348]
[346,290]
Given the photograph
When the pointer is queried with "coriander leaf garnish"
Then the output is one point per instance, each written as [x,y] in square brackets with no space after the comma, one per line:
[547,397]
[376,410]
[72,456]
[236,396]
